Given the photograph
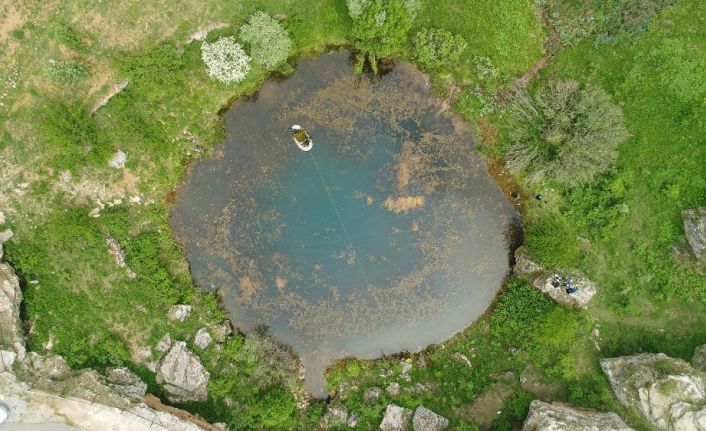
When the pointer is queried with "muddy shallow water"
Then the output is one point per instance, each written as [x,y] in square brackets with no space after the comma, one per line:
[388,235]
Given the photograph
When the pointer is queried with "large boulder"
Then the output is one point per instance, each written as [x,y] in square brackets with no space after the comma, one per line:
[669,392]
[561,417]
[695,229]
[10,298]
[396,418]
[699,358]
[544,280]
[426,420]
[182,375]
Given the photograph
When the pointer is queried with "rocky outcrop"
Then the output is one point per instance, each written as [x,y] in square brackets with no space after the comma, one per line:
[544,280]
[201,34]
[179,312]
[561,417]
[695,230]
[337,416]
[396,418]
[669,392]
[126,382]
[11,338]
[426,420]
[699,358]
[182,375]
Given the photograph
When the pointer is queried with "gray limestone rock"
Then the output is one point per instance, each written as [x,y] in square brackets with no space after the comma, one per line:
[396,418]
[393,389]
[669,392]
[372,394]
[164,343]
[335,416]
[695,229]
[118,160]
[126,382]
[561,417]
[179,312]
[426,420]
[202,338]
[182,375]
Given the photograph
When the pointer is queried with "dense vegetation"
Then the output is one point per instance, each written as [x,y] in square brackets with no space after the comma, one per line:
[613,211]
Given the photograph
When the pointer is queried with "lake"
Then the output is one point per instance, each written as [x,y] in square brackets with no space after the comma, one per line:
[389,235]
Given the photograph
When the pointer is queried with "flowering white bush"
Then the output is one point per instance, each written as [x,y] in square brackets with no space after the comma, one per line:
[225,60]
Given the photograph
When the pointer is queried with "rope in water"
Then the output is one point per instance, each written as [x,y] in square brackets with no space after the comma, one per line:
[340,220]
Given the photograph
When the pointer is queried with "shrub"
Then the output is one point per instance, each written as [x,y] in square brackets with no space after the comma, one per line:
[434,47]
[64,71]
[381,29]
[225,60]
[269,41]
[566,133]
[67,36]
[74,133]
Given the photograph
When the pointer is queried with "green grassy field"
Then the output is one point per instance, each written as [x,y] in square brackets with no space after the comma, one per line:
[625,229]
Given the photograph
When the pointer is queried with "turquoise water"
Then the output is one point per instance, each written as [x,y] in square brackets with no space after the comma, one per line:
[387,236]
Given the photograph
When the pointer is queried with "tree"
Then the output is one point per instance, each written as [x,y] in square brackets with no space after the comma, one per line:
[225,60]
[269,41]
[566,133]
[381,29]
[434,47]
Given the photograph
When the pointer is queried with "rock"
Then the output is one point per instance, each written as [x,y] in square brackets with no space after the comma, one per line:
[699,358]
[200,35]
[385,373]
[669,392]
[396,418]
[118,160]
[524,266]
[7,359]
[372,394]
[5,235]
[352,421]
[393,389]
[50,366]
[695,229]
[115,89]
[335,416]
[222,331]
[202,338]
[561,417]
[542,279]
[460,357]
[2,218]
[418,389]
[126,382]
[116,251]
[164,344]
[182,375]
[179,312]
[426,420]
[11,335]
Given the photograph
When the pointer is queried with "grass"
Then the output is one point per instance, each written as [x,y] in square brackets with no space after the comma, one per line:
[622,229]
